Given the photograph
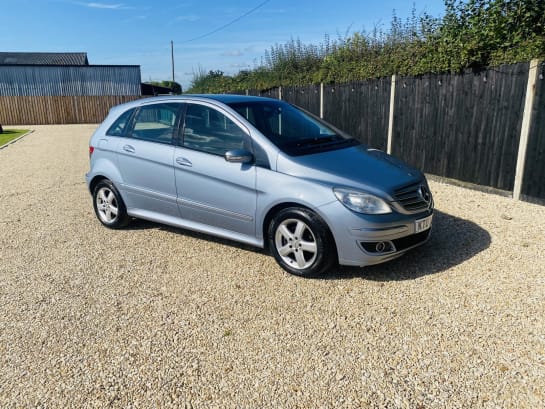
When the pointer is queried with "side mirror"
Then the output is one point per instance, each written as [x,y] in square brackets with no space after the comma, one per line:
[239,156]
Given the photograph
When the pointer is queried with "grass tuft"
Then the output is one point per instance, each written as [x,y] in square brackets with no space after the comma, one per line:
[10,134]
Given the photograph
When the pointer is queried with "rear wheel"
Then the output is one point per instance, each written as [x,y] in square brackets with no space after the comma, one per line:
[109,206]
[301,242]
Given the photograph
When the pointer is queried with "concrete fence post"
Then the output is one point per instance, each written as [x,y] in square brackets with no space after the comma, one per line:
[391,116]
[525,128]
[322,100]
[280,93]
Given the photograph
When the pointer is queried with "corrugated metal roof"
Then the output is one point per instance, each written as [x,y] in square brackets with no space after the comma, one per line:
[23,80]
[43,58]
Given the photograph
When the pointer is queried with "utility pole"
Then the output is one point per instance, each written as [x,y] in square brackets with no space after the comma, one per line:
[172,58]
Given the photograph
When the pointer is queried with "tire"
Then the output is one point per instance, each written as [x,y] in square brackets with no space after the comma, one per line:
[109,207]
[301,242]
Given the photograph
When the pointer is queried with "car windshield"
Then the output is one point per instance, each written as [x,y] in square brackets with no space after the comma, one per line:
[294,131]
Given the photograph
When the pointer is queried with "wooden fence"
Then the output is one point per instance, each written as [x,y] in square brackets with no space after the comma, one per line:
[360,109]
[464,126]
[483,127]
[41,110]
[533,183]
[486,127]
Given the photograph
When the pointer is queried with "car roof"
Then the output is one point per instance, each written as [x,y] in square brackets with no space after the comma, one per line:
[223,98]
[230,98]
[116,110]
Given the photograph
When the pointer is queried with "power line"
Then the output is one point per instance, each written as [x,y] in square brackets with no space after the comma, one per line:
[228,24]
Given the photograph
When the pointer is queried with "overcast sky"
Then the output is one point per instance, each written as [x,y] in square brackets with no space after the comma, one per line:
[139,32]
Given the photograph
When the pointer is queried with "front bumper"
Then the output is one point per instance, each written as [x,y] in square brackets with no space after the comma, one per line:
[364,240]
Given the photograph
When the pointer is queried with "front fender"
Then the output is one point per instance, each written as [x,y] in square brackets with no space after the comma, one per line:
[288,190]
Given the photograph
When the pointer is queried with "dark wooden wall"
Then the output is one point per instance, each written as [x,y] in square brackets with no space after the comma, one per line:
[533,183]
[269,93]
[360,109]
[462,126]
[306,97]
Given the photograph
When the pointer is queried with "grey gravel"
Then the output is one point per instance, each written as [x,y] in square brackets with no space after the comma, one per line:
[153,316]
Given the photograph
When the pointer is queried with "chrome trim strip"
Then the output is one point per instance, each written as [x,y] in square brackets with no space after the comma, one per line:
[145,192]
[207,208]
[370,233]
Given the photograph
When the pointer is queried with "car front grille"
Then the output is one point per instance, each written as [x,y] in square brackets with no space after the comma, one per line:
[414,197]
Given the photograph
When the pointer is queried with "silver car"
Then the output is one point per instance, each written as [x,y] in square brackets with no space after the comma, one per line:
[261,172]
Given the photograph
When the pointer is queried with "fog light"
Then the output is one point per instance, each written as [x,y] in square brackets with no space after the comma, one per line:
[378,247]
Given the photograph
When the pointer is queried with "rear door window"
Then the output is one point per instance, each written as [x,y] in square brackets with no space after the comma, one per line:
[208,130]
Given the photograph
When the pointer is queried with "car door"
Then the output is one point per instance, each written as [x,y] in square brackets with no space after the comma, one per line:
[145,160]
[212,191]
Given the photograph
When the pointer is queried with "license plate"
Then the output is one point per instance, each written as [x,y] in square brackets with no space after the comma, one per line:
[422,224]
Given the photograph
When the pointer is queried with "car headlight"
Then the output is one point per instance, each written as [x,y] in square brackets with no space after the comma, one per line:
[362,202]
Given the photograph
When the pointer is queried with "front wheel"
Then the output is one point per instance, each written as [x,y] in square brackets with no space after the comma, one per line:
[301,242]
[109,206]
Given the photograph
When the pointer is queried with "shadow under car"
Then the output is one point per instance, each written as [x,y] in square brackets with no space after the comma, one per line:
[453,240]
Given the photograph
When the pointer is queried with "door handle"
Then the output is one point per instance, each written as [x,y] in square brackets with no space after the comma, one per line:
[129,148]
[183,161]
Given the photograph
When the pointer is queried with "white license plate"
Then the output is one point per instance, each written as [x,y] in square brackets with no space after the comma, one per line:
[422,224]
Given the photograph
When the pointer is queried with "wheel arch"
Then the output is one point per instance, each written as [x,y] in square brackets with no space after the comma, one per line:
[104,168]
[284,205]
[95,181]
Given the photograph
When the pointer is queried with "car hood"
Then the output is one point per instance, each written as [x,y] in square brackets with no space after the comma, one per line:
[356,167]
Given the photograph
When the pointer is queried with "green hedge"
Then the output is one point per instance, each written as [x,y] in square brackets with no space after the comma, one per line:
[471,34]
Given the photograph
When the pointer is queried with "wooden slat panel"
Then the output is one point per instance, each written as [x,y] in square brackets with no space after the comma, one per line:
[306,97]
[462,126]
[31,110]
[271,93]
[360,109]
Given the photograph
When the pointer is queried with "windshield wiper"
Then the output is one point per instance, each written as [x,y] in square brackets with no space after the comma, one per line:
[316,145]
[317,141]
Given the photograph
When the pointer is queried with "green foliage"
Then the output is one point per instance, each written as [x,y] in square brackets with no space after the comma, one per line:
[471,34]
[211,82]
[174,86]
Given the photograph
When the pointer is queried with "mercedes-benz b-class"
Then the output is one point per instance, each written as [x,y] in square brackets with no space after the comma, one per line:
[259,171]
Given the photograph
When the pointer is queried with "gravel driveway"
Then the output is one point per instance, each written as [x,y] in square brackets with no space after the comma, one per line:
[153,316]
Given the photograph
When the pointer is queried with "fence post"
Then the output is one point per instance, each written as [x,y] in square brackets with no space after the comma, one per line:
[525,128]
[247,92]
[322,100]
[280,92]
[391,116]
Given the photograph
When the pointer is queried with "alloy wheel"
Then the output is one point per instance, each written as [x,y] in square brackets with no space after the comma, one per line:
[296,244]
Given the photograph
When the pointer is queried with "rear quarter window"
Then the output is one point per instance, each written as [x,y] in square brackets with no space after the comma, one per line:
[120,125]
